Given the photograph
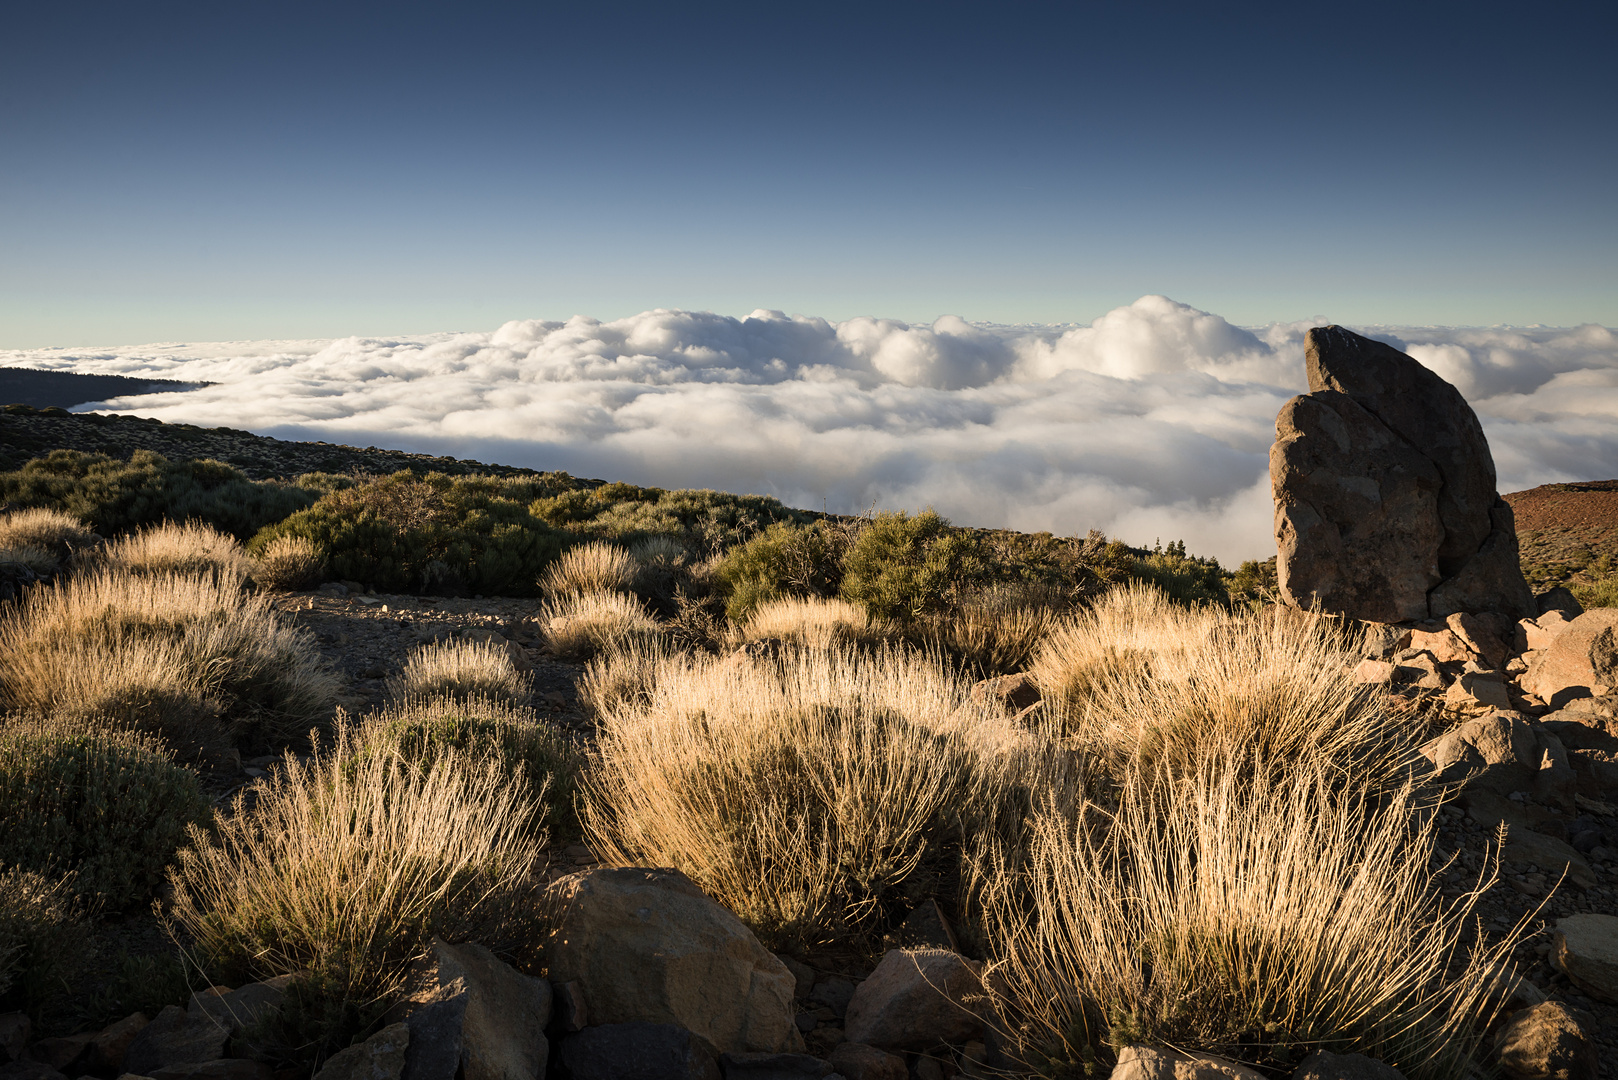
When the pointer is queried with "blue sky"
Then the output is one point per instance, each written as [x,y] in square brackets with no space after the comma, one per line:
[245,170]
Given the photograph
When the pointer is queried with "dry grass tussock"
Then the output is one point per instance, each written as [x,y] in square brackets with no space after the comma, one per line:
[289,563]
[802,791]
[191,548]
[347,867]
[60,535]
[816,623]
[1257,916]
[581,625]
[1144,684]
[163,653]
[995,632]
[590,568]
[460,669]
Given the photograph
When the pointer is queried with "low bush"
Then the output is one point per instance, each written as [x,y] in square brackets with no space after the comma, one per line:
[802,792]
[577,627]
[1258,916]
[1601,593]
[1185,579]
[289,564]
[116,496]
[53,532]
[45,939]
[164,653]
[901,567]
[460,669]
[420,730]
[432,533]
[706,522]
[191,548]
[109,806]
[346,867]
[787,559]
[994,631]
[589,568]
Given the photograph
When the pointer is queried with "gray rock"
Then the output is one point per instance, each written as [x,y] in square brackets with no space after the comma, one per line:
[1151,1063]
[648,945]
[1585,949]
[803,976]
[1386,508]
[15,1031]
[916,999]
[241,1008]
[482,1020]
[1325,1065]
[175,1037]
[639,1050]
[773,1067]
[1503,752]
[381,1057]
[1546,1043]
[1559,599]
[834,993]
[568,1008]
[857,1061]
[221,1069]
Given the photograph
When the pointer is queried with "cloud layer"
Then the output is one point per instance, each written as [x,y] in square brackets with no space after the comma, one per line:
[1153,422]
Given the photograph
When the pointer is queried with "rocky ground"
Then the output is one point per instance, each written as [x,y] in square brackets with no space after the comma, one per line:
[1566,531]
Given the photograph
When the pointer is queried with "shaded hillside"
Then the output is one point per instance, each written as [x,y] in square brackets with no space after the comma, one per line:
[40,389]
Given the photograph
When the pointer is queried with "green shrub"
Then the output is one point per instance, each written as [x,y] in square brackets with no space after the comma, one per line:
[1187,579]
[786,559]
[109,805]
[409,533]
[1255,582]
[901,567]
[704,521]
[44,939]
[1600,593]
[422,729]
[119,496]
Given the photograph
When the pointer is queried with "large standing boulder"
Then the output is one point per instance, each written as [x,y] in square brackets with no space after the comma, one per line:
[475,1019]
[1385,501]
[650,946]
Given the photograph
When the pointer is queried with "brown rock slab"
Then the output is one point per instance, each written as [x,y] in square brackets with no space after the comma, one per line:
[175,1037]
[1553,856]
[1545,1042]
[1152,1063]
[916,999]
[64,1052]
[646,1051]
[858,1061]
[1581,662]
[648,946]
[1585,949]
[773,1067]
[476,1018]
[242,1007]
[381,1057]
[108,1048]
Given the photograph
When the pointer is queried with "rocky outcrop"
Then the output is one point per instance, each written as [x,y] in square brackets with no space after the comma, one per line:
[1385,501]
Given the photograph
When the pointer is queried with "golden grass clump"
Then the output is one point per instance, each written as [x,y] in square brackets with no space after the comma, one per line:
[289,563]
[802,791]
[578,626]
[595,567]
[814,622]
[460,669]
[1257,915]
[348,865]
[191,548]
[60,535]
[1138,681]
[996,632]
[163,653]
[34,560]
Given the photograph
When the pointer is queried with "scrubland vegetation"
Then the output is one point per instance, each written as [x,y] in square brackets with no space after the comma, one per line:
[1205,834]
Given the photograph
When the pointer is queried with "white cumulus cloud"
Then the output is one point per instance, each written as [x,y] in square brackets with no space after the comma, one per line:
[1153,422]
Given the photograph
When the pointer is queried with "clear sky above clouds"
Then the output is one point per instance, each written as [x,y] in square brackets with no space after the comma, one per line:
[214,171]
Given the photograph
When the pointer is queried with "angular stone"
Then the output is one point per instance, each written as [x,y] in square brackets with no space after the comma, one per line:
[1560,600]
[916,999]
[1546,1043]
[15,1030]
[64,1052]
[175,1037]
[1374,672]
[219,1069]
[1585,949]
[1472,691]
[641,1050]
[1324,1065]
[648,945]
[477,1019]
[1581,662]
[803,976]
[1551,855]
[1151,1063]
[773,1067]
[381,1057]
[858,1061]
[834,993]
[108,1048]
[568,1006]
[1486,635]
[240,1008]
[1445,645]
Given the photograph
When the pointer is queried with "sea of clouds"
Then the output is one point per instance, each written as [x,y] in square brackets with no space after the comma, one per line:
[1154,421]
